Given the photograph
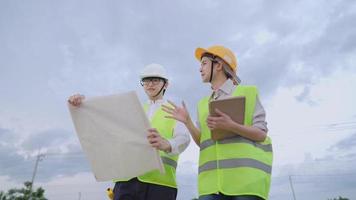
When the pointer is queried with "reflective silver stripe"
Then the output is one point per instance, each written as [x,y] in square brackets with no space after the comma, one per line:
[244,162]
[237,139]
[235,163]
[208,166]
[207,143]
[169,162]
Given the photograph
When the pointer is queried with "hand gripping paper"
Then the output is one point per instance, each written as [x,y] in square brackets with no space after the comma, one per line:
[112,131]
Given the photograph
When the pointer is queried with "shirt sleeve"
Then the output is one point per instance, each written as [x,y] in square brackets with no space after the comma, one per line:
[259,116]
[180,140]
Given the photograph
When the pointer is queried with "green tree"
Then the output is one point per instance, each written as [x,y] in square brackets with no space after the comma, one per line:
[2,195]
[25,193]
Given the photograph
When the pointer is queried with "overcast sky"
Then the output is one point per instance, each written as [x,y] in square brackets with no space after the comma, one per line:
[300,54]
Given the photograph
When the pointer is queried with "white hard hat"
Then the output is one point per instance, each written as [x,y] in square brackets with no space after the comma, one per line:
[154,70]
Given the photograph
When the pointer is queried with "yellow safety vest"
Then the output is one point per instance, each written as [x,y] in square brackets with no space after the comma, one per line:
[234,166]
[165,127]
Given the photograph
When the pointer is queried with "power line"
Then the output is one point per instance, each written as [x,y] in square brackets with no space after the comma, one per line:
[323,175]
[66,154]
[314,175]
[332,127]
[74,154]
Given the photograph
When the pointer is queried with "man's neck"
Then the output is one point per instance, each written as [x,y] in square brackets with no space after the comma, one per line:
[154,99]
[217,82]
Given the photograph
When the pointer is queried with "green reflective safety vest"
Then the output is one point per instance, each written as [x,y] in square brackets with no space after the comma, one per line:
[234,166]
[165,127]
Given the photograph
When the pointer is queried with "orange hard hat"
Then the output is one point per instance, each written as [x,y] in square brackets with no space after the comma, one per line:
[222,52]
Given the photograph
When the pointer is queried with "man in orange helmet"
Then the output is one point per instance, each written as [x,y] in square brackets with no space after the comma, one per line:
[237,168]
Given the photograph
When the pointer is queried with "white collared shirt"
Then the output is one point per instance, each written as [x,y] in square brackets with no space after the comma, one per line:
[181,137]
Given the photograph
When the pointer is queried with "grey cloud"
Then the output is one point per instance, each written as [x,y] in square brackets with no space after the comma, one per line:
[53,163]
[319,187]
[56,162]
[52,49]
[94,51]
[7,136]
[47,139]
[50,166]
[347,143]
[11,163]
[304,96]
[66,164]
[316,178]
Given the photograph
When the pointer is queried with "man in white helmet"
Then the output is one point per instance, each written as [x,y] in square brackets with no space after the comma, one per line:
[167,135]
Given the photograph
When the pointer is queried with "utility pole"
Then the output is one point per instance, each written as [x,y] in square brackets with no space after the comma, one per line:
[38,159]
[79,196]
[291,186]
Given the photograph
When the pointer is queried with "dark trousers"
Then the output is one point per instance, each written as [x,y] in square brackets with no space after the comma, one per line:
[225,197]
[137,190]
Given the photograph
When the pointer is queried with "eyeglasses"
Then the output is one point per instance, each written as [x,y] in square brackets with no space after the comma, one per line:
[147,81]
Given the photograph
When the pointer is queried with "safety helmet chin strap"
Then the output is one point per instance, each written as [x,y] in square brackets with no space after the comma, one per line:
[212,66]
[162,88]
[211,72]
[229,74]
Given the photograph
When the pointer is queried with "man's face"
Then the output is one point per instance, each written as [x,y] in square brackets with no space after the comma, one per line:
[205,68]
[152,85]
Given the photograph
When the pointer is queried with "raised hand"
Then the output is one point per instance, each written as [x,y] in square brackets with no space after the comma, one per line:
[76,100]
[175,112]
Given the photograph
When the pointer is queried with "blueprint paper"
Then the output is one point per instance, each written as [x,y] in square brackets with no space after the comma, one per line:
[112,131]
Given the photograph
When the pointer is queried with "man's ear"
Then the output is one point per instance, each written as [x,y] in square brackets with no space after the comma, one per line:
[166,85]
[219,66]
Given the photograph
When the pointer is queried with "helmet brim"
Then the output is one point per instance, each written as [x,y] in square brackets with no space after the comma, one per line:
[153,76]
[199,52]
